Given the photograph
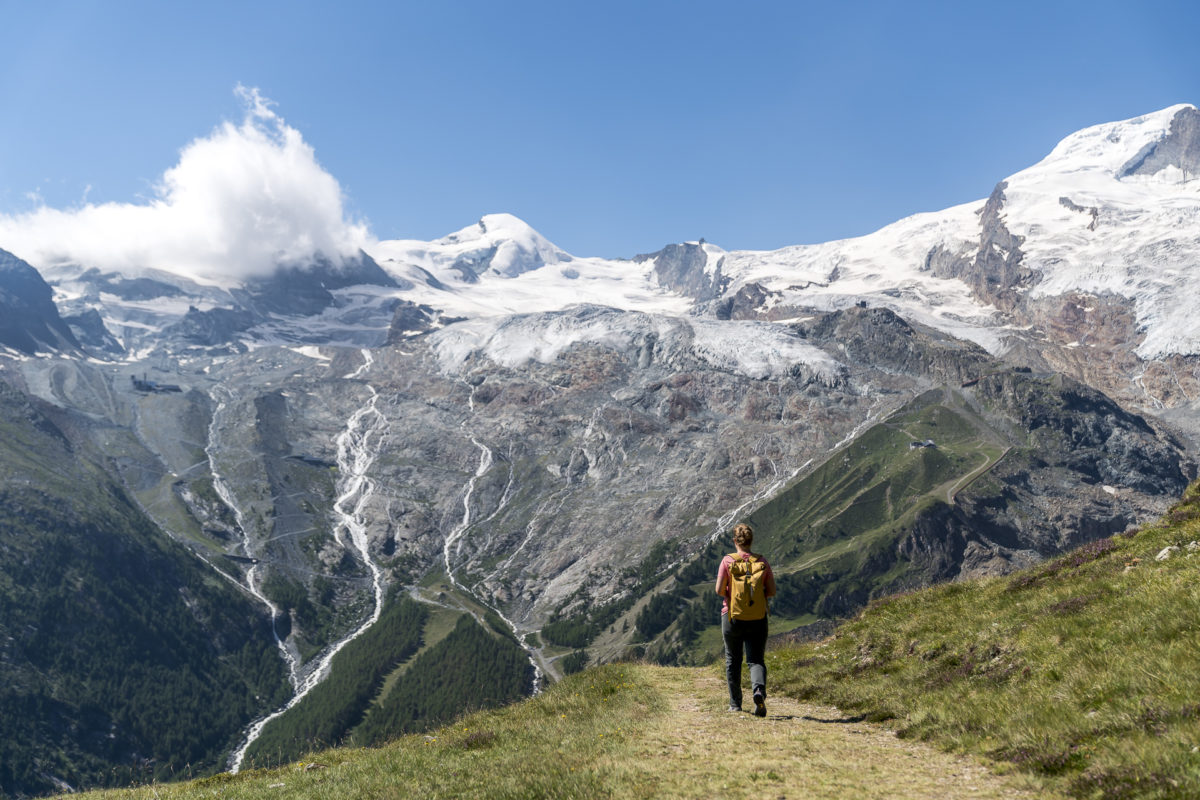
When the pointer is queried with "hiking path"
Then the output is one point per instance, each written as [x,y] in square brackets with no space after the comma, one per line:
[797,751]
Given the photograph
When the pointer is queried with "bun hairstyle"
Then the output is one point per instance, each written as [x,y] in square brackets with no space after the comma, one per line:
[743,535]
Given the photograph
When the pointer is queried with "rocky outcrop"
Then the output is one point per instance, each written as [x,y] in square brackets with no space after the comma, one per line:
[684,269]
[307,289]
[879,336]
[409,319]
[142,288]
[1180,148]
[217,326]
[29,320]
[995,271]
[93,334]
[747,303]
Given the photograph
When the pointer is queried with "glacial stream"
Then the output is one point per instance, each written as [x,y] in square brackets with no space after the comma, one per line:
[357,447]
[253,578]
[454,543]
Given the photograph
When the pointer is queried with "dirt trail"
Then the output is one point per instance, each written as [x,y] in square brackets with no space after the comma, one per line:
[797,751]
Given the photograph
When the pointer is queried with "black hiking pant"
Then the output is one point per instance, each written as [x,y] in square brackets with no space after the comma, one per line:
[751,636]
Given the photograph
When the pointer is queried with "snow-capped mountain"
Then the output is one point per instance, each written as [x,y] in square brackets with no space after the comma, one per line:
[1113,209]
[499,244]
[502,266]
[347,301]
[1086,258]
[1085,262]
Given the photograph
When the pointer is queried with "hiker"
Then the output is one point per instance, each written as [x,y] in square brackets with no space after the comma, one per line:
[745,580]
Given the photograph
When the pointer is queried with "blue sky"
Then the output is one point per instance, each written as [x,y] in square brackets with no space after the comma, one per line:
[613,128]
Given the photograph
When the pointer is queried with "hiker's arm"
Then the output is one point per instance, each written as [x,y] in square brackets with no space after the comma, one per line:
[722,586]
[769,582]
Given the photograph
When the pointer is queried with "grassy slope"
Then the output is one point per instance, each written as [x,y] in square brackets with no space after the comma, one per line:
[624,731]
[875,486]
[1081,671]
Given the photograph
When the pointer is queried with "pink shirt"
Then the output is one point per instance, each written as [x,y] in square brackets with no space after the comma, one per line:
[723,575]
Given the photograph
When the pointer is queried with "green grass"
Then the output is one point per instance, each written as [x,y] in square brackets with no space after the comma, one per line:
[562,744]
[1081,671]
[626,732]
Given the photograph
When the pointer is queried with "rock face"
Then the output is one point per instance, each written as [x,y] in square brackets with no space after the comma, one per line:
[29,320]
[1180,148]
[1082,468]
[411,318]
[994,273]
[307,289]
[93,335]
[217,326]
[541,460]
[685,269]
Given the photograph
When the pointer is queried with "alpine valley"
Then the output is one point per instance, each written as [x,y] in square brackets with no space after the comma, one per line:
[349,499]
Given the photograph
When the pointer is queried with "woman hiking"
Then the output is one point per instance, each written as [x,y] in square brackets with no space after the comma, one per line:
[745,581]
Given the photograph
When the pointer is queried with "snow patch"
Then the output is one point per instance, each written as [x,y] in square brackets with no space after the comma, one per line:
[311,351]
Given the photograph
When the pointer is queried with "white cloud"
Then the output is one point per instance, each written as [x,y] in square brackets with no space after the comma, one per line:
[239,202]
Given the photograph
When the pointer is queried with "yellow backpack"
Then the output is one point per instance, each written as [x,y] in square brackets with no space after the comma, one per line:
[747,590]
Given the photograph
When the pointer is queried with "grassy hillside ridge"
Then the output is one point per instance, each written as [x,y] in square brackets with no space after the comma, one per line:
[1081,671]
[623,732]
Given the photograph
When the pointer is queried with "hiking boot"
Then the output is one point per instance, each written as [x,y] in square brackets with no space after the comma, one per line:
[760,703]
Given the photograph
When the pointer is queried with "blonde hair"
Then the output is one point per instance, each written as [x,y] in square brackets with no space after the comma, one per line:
[743,535]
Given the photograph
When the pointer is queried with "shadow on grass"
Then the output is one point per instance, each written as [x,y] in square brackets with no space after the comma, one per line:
[838,721]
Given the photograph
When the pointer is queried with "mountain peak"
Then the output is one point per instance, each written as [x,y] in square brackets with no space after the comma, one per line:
[501,245]
[1118,148]
[1180,148]
[513,245]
